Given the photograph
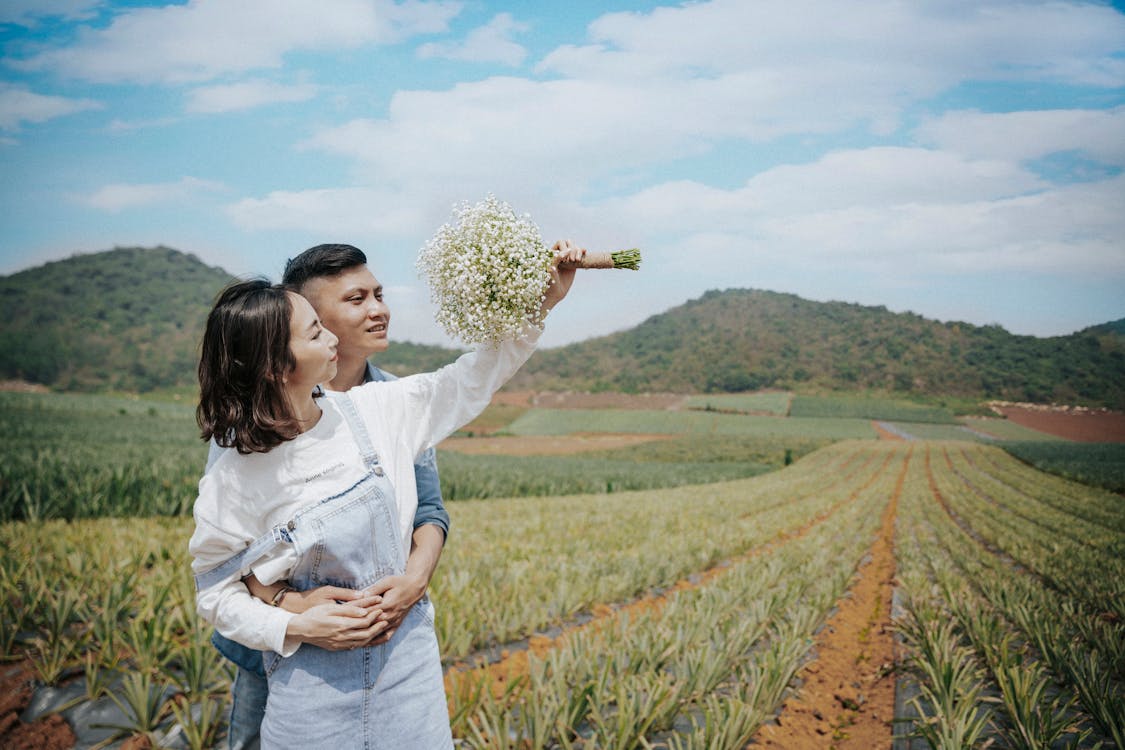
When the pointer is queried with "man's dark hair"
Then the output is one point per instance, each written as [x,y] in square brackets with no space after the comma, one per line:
[246,356]
[320,261]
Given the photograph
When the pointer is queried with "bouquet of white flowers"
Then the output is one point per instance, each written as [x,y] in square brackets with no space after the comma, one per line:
[488,271]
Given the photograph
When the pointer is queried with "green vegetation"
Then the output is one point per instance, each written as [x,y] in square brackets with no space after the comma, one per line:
[865,407]
[763,402]
[130,318]
[494,418]
[748,340]
[85,456]
[406,358]
[1097,464]
[471,477]
[662,463]
[1013,583]
[74,456]
[568,421]
[127,319]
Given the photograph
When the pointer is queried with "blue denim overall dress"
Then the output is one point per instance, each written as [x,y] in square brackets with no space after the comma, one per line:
[388,696]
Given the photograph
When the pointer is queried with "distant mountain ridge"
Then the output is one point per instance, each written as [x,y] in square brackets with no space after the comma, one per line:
[746,339]
[132,318]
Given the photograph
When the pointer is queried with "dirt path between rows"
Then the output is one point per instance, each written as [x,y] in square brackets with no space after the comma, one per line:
[17,681]
[848,697]
[462,677]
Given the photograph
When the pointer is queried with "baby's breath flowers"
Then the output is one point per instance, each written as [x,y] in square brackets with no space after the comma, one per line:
[488,271]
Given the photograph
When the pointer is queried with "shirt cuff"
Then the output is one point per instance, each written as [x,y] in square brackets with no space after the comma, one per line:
[278,624]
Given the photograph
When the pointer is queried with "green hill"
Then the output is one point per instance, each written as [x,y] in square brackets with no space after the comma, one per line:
[131,319]
[126,319]
[741,340]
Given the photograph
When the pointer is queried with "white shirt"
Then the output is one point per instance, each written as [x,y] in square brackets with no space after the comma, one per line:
[242,497]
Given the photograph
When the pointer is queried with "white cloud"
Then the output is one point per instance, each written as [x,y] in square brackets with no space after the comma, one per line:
[19,105]
[204,39]
[886,211]
[120,196]
[1020,136]
[336,212]
[791,67]
[246,95]
[489,43]
[651,91]
[645,93]
[29,13]
[118,125]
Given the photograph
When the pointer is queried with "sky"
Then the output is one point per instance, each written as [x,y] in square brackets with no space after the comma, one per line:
[959,159]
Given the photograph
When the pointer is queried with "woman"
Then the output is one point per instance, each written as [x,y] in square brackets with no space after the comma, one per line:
[309,496]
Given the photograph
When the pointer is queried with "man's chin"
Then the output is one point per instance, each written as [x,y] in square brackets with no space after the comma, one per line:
[377,345]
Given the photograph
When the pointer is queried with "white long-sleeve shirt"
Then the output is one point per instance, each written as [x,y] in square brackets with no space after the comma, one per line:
[243,496]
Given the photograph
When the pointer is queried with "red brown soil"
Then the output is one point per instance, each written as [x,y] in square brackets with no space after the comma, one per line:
[461,677]
[1087,426]
[544,445]
[848,697]
[49,733]
[576,400]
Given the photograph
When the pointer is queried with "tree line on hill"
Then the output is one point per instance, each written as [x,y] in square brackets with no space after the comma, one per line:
[746,339]
[132,319]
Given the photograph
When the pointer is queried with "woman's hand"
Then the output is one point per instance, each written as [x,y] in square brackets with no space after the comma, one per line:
[300,601]
[338,627]
[568,253]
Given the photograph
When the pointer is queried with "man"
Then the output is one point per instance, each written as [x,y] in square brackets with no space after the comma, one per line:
[348,299]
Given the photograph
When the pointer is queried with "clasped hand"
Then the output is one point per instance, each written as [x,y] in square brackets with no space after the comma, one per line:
[338,619]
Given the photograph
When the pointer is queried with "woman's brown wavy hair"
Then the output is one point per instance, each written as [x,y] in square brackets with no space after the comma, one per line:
[245,357]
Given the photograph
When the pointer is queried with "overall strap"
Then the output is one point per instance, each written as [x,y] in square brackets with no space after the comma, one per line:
[359,429]
[231,567]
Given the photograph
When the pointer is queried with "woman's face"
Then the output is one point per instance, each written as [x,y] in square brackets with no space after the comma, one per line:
[313,347]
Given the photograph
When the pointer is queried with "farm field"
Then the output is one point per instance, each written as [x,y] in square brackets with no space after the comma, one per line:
[698,580]
[596,637]
[864,407]
[568,421]
[769,402]
[1085,426]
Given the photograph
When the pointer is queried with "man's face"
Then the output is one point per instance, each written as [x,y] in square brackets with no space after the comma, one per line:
[351,306]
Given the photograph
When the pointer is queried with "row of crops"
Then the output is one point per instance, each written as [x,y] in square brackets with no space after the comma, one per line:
[1014,596]
[782,404]
[67,456]
[1012,582]
[124,623]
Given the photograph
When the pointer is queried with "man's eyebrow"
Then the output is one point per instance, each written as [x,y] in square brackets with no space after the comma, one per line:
[361,290]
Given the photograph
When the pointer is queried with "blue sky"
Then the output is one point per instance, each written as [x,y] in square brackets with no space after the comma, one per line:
[961,160]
